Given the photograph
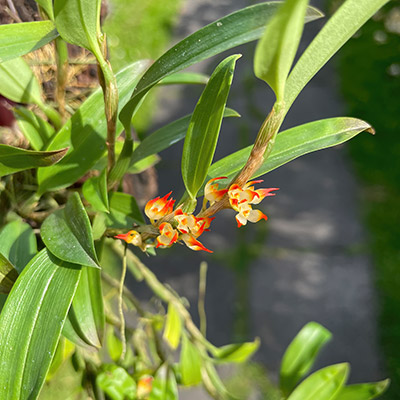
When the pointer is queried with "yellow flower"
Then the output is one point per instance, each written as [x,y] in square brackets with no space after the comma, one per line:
[159,207]
[168,235]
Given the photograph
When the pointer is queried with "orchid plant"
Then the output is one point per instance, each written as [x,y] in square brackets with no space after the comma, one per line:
[63,206]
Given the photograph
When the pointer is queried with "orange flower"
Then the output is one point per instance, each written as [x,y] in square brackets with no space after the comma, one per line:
[188,223]
[144,387]
[168,235]
[212,193]
[241,199]
[193,243]
[159,207]
[131,237]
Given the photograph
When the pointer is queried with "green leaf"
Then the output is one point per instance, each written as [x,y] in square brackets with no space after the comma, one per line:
[237,352]
[14,159]
[190,363]
[68,235]
[31,323]
[167,136]
[363,391]
[124,211]
[293,143]
[173,327]
[114,345]
[185,78]
[116,383]
[325,384]
[144,164]
[22,38]
[122,164]
[301,354]
[204,127]
[8,275]
[85,132]
[35,129]
[78,22]
[240,27]
[47,6]
[18,243]
[95,191]
[64,350]
[276,49]
[164,385]
[18,83]
[335,33]
[213,383]
[86,314]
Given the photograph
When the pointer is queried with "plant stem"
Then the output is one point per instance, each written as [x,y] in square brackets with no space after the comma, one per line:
[120,304]
[202,295]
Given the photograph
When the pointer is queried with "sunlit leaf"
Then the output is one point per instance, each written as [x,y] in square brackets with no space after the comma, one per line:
[190,363]
[236,353]
[8,274]
[64,350]
[31,323]
[192,78]
[301,354]
[173,327]
[68,234]
[22,38]
[204,126]
[363,391]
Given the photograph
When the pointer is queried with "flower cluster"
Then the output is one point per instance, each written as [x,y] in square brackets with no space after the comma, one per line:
[175,226]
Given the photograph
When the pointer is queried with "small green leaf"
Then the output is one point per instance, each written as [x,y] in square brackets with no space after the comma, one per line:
[8,275]
[363,391]
[68,234]
[166,136]
[276,49]
[64,350]
[124,211]
[164,385]
[240,27]
[14,159]
[190,363]
[236,353]
[35,129]
[18,83]
[122,164]
[47,6]
[144,164]
[31,323]
[335,33]
[95,191]
[325,384]
[78,22]
[116,383]
[301,354]
[185,78]
[204,127]
[173,327]
[293,143]
[99,225]
[85,132]
[22,38]
[114,345]
[18,243]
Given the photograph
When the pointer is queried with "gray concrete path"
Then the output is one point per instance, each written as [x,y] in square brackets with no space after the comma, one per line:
[314,265]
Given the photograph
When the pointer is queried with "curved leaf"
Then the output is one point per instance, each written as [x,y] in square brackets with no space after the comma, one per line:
[240,27]
[190,363]
[95,191]
[166,136]
[86,133]
[237,352]
[188,78]
[19,39]
[276,49]
[18,243]
[14,159]
[363,391]
[325,384]
[336,32]
[173,327]
[301,354]
[8,275]
[31,323]
[204,126]
[67,234]
[293,143]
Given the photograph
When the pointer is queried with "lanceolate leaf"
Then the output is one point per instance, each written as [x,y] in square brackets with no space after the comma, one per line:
[167,136]
[363,391]
[31,323]
[190,363]
[14,159]
[301,353]
[236,353]
[192,78]
[233,30]
[18,243]
[294,143]
[67,234]
[336,32]
[86,133]
[325,384]
[78,22]
[8,275]
[204,126]
[95,191]
[173,327]
[19,39]
[276,49]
